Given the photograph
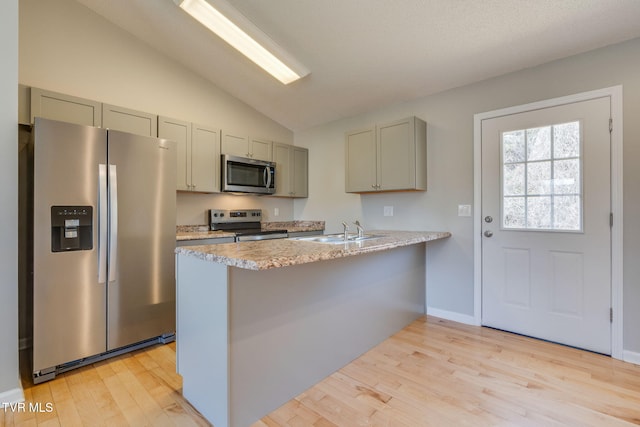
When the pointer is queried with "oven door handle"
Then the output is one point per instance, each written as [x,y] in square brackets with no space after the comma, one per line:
[257,237]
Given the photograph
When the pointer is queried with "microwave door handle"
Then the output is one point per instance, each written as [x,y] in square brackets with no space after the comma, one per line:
[268,172]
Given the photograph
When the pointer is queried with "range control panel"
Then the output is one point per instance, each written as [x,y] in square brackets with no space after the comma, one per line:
[217,216]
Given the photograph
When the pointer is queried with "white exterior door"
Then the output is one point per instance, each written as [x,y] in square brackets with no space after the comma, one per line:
[546,206]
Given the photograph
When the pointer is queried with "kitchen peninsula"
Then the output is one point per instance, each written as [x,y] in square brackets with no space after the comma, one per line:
[260,322]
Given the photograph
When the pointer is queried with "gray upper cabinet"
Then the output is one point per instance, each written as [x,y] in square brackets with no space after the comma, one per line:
[127,120]
[198,154]
[180,132]
[244,146]
[390,157]
[292,170]
[234,145]
[300,178]
[260,149]
[65,108]
[205,159]
[360,160]
[71,109]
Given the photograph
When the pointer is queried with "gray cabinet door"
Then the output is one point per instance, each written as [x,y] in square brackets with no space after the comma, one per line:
[260,149]
[205,159]
[235,145]
[282,158]
[127,120]
[65,108]
[180,132]
[360,161]
[396,156]
[300,181]
[402,155]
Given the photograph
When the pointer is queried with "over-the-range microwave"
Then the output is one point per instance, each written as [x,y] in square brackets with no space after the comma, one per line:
[244,175]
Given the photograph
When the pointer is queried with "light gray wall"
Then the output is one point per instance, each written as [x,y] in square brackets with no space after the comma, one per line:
[9,376]
[450,161]
[65,47]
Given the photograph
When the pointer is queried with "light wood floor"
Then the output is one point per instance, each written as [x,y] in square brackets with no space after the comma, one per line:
[432,373]
[135,389]
[441,373]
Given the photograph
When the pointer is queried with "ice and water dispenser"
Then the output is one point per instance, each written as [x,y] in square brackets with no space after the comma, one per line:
[71,228]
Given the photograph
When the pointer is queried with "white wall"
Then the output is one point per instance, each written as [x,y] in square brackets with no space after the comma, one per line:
[10,389]
[66,47]
[450,161]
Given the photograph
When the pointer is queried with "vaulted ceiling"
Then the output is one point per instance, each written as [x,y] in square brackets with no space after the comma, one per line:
[364,54]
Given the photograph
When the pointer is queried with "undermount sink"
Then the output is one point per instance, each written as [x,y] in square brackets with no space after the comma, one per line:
[337,239]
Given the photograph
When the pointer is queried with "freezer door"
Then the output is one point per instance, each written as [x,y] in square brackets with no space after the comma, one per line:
[141,289]
[69,303]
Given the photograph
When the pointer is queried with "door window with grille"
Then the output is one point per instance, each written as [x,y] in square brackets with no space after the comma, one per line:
[542,178]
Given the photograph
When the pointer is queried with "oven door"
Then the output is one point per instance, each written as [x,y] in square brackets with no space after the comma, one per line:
[243,175]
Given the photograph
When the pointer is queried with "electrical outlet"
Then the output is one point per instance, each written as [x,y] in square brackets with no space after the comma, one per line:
[276,211]
[388,211]
[464,210]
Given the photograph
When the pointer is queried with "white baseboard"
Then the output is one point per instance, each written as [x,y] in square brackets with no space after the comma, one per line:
[451,315]
[631,357]
[11,396]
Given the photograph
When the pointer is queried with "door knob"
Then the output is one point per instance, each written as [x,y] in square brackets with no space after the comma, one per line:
[488,233]
[488,219]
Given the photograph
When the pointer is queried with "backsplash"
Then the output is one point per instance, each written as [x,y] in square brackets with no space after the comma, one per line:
[193,208]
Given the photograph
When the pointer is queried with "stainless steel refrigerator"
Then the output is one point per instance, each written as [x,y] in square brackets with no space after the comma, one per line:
[103,244]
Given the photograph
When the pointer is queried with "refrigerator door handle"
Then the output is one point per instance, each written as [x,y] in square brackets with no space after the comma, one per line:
[113,223]
[102,223]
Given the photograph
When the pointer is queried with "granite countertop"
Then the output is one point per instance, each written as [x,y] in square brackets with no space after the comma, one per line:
[205,234]
[266,254]
[294,226]
[197,232]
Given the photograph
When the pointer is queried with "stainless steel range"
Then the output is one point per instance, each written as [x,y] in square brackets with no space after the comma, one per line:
[246,224]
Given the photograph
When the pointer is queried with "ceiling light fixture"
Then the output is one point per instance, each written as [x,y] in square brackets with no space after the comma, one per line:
[234,28]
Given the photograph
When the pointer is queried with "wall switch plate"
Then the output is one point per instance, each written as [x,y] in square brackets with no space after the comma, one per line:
[388,211]
[276,211]
[464,210]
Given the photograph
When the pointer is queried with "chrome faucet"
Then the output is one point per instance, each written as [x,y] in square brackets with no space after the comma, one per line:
[360,229]
[346,231]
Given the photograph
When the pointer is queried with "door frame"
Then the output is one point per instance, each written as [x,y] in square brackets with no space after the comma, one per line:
[615,93]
